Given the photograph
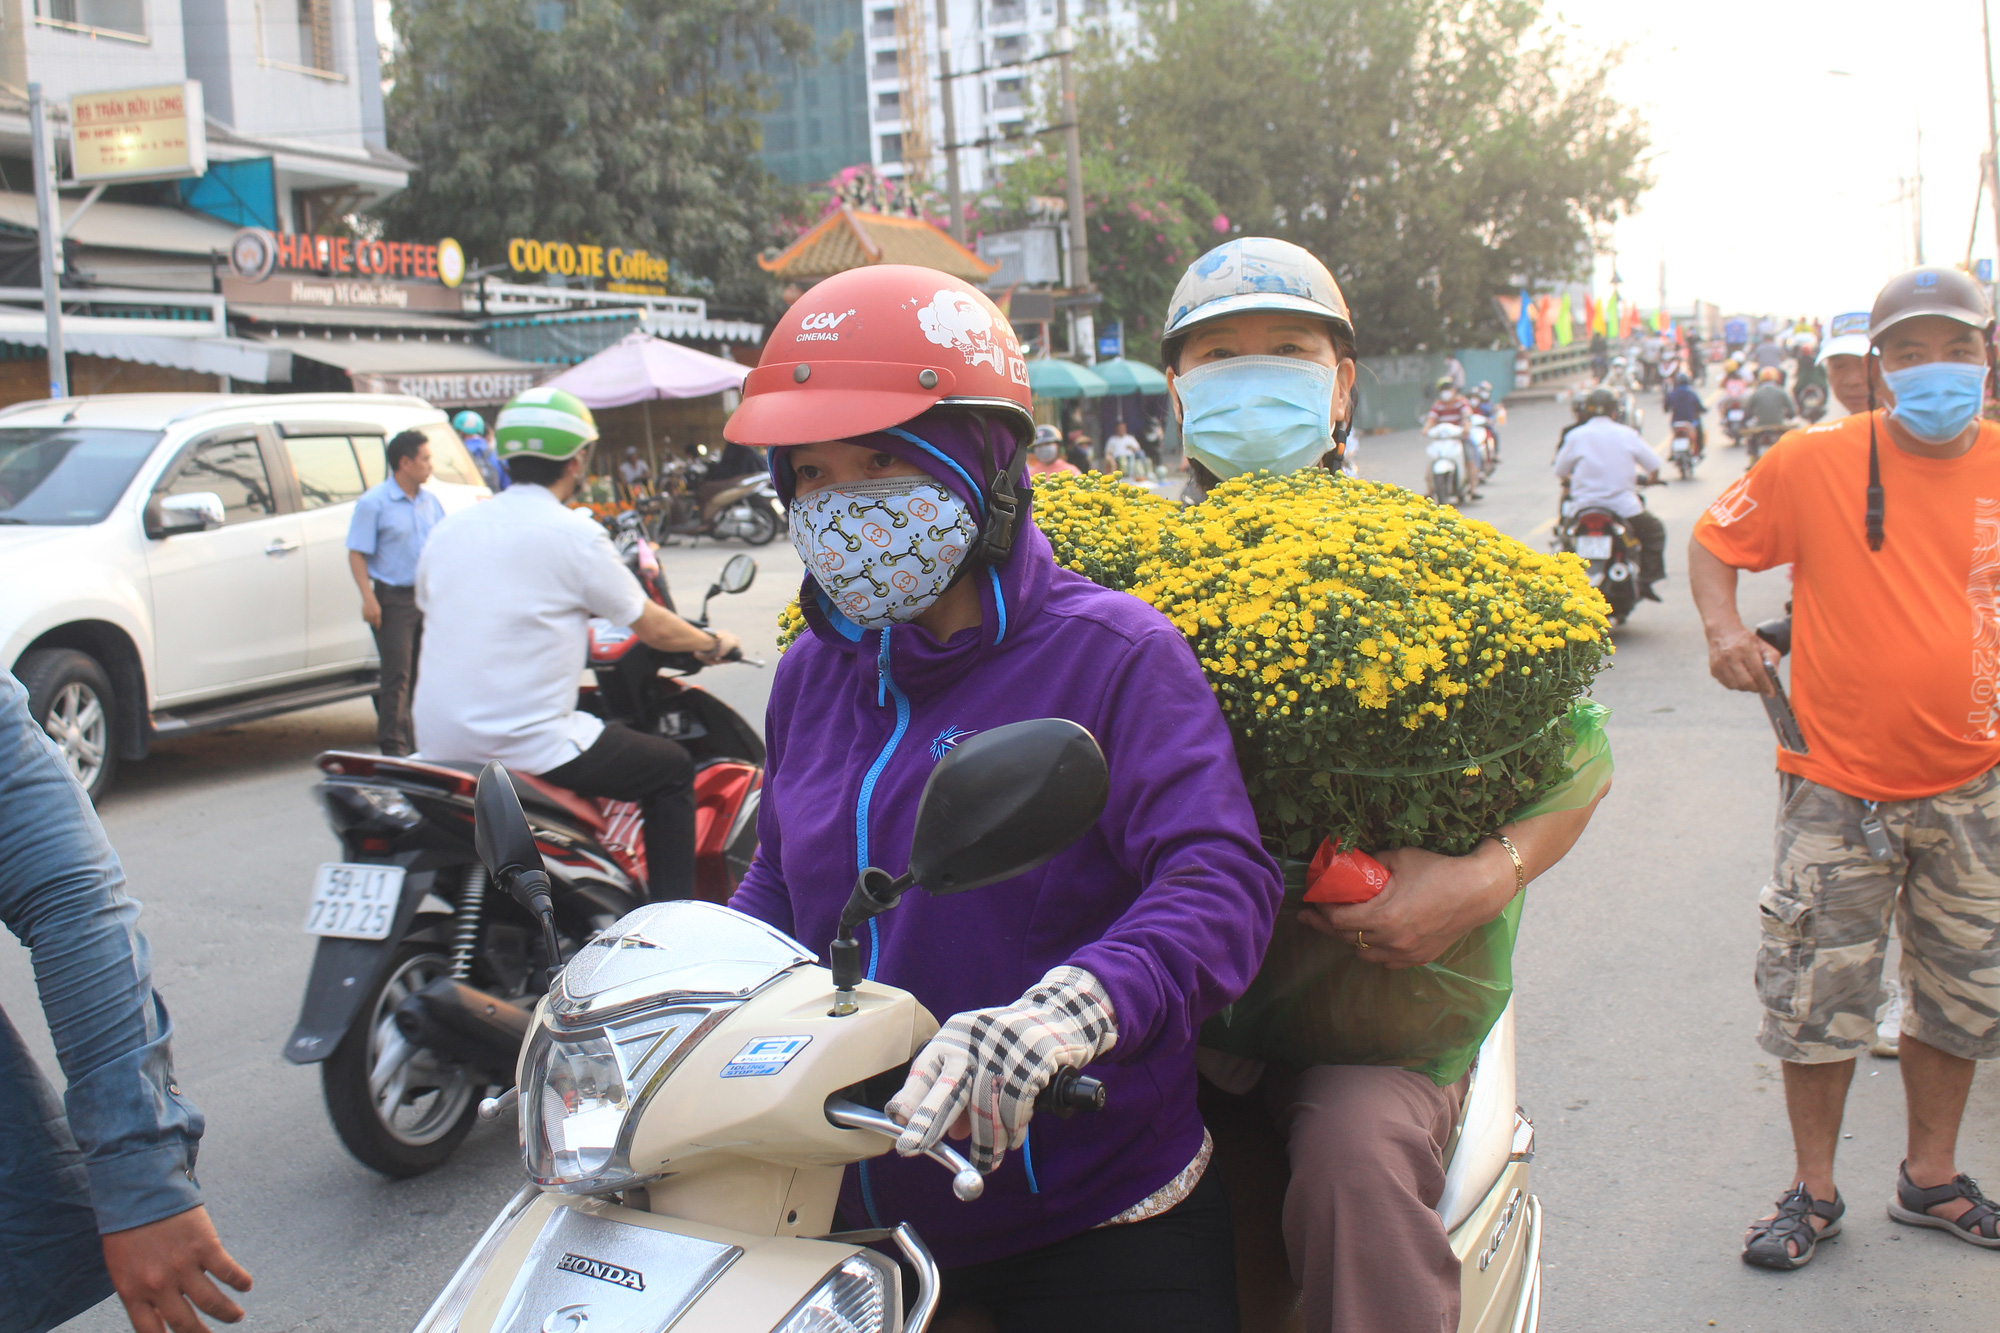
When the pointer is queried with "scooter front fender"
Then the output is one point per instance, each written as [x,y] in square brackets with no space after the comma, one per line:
[569,1264]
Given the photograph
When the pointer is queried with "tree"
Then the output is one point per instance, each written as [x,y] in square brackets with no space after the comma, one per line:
[1146,225]
[1428,150]
[609,122]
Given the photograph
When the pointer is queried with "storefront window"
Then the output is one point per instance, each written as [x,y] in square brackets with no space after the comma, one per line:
[119,17]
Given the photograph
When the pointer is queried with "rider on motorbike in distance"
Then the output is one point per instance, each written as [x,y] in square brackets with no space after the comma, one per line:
[1450,407]
[1769,405]
[1684,406]
[1599,458]
[1366,1143]
[508,589]
[908,425]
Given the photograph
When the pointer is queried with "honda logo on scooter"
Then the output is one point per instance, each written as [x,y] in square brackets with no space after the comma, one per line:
[602,1271]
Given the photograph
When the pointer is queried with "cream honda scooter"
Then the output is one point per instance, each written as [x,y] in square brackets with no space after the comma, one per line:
[693,1084]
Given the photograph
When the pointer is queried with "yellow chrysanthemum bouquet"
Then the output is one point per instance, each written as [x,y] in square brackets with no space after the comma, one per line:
[1395,674]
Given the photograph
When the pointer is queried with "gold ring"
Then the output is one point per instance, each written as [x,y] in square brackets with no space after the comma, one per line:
[1360,943]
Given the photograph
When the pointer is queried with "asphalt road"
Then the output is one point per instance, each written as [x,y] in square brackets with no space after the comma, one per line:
[1661,1123]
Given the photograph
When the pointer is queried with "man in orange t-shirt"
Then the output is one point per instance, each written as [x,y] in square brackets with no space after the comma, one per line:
[1891,522]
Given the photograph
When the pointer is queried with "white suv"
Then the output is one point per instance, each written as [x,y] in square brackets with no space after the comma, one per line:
[171,562]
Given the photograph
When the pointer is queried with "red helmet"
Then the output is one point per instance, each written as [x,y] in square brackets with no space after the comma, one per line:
[874,347]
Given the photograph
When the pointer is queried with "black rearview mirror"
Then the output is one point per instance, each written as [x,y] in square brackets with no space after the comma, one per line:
[1005,801]
[738,574]
[501,835]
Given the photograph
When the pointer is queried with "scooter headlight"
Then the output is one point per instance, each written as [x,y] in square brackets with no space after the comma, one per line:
[624,1013]
[855,1298]
[583,1106]
[589,1089]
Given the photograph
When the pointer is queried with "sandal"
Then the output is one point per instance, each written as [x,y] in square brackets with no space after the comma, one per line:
[1769,1244]
[1978,1225]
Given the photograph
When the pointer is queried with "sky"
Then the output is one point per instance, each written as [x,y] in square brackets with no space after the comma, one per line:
[1780,184]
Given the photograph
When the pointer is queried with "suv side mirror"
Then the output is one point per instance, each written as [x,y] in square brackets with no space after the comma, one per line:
[193,511]
[1005,801]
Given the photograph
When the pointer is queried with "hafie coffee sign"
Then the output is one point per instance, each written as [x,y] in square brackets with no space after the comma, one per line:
[348,272]
[256,253]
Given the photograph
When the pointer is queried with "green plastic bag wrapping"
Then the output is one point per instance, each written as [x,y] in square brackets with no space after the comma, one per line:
[1315,1002]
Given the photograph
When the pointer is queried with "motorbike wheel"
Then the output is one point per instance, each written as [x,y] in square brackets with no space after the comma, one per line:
[764,524]
[398,1108]
[1686,466]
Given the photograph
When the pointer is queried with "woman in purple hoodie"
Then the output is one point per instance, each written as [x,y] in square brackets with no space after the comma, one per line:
[895,402]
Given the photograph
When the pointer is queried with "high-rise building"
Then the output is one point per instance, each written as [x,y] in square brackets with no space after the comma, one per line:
[820,123]
[1001,78]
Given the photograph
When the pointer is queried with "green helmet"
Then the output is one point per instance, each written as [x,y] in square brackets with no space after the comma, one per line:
[544,421]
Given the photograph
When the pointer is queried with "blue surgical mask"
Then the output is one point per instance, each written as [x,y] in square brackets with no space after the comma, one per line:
[1257,412]
[1936,401]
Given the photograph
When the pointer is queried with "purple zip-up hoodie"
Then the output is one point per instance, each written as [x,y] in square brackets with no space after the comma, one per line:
[1168,900]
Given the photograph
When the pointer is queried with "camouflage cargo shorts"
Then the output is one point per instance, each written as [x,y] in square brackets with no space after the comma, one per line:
[1826,918]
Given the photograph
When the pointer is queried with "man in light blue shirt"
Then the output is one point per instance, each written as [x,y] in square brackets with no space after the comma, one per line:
[97,1189]
[391,523]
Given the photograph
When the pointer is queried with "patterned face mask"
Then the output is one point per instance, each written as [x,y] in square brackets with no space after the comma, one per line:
[882,551]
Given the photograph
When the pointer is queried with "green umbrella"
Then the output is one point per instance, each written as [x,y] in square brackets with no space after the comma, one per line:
[1050,378]
[1127,377]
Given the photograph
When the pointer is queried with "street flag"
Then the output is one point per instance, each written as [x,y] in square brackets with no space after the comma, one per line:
[1565,330]
[1524,323]
[1612,328]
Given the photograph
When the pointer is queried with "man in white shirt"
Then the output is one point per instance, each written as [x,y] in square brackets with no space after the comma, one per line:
[1122,449]
[1599,463]
[508,589]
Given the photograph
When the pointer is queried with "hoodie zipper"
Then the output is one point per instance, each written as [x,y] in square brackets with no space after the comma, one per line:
[885,685]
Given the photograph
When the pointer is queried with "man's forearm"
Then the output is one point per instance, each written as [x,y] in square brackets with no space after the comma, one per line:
[61,894]
[357,564]
[1713,585]
[660,628]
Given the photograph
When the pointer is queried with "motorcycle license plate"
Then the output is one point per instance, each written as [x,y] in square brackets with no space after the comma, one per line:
[1594,548]
[354,902]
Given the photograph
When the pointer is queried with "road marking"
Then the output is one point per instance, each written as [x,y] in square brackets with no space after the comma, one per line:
[1546,525]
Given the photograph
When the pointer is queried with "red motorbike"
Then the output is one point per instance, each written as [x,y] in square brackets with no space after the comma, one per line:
[423,981]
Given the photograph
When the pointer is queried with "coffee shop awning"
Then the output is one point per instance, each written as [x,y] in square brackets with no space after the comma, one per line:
[161,344]
[446,374]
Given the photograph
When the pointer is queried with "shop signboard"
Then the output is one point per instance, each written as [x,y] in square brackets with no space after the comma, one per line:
[456,389]
[343,272]
[256,254]
[621,270]
[138,134]
[342,293]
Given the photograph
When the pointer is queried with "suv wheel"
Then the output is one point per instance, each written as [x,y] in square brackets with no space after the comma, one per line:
[70,697]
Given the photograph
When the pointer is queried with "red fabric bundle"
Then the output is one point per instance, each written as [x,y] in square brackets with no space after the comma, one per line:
[1344,877]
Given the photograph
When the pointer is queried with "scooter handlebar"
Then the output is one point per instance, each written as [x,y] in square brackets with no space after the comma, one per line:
[966,1182]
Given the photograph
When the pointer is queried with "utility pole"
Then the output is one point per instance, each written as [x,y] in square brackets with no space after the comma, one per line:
[48,221]
[1083,326]
[1992,128]
[1918,209]
[950,122]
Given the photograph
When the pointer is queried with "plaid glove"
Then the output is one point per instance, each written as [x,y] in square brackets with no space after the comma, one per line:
[989,1065]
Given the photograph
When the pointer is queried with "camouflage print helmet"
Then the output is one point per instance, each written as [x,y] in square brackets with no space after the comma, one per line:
[1255,274]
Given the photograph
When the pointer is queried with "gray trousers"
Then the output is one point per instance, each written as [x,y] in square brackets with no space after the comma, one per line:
[398,639]
[1334,1175]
